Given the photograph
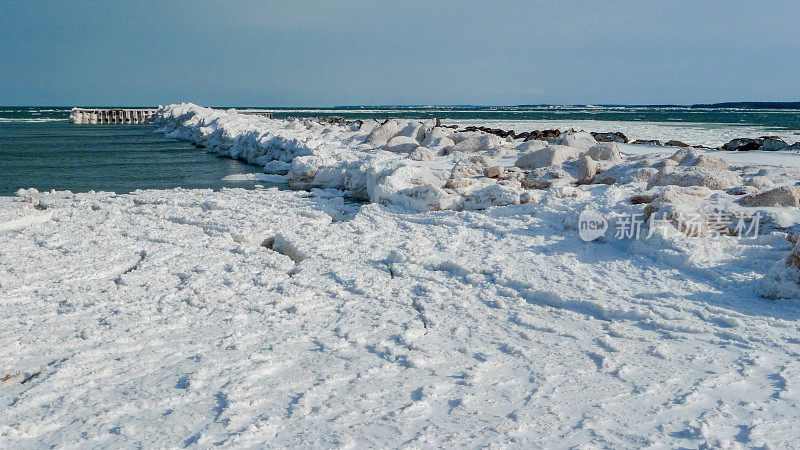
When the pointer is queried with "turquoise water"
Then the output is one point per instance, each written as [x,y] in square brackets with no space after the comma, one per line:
[39,147]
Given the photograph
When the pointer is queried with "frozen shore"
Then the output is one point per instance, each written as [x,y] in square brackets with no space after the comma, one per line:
[457,306]
[245,317]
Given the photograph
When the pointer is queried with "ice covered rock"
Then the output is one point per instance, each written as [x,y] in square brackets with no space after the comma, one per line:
[402,144]
[680,206]
[471,165]
[368,125]
[794,257]
[611,137]
[782,196]
[711,162]
[652,142]
[478,143]
[422,154]
[587,168]
[760,183]
[437,139]
[494,172]
[383,133]
[459,182]
[409,185]
[492,195]
[686,156]
[772,143]
[416,130]
[625,173]
[695,176]
[532,145]
[605,151]
[580,140]
[548,156]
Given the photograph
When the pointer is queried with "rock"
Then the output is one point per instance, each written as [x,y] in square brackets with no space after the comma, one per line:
[773,143]
[494,172]
[541,135]
[782,196]
[457,183]
[654,142]
[478,143]
[384,132]
[492,195]
[610,137]
[625,173]
[760,183]
[437,139]
[605,151]
[415,130]
[665,163]
[686,156]
[549,156]
[533,182]
[529,146]
[422,154]
[587,167]
[742,190]
[580,140]
[695,176]
[794,147]
[643,198]
[711,162]
[794,257]
[742,144]
[401,144]
[674,143]
[679,206]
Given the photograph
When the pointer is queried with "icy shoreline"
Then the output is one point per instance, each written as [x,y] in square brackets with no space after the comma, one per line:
[418,165]
[247,317]
[442,313]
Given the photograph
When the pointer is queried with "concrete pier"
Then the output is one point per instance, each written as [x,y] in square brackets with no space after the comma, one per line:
[112,115]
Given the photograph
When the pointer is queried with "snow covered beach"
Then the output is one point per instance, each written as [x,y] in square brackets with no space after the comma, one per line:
[458,306]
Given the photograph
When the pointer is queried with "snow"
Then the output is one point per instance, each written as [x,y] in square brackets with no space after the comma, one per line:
[245,317]
[445,308]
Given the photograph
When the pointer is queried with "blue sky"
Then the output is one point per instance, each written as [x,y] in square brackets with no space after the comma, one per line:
[351,53]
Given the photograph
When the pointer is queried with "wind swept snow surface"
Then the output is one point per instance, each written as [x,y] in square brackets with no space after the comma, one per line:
[458,305]
[252,317]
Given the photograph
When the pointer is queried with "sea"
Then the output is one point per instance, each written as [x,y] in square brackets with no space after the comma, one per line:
[40,148]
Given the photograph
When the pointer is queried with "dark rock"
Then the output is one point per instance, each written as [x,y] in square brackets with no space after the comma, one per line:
[610,137]
[743,144]
[674,143]
[773,143]
[552,134]
[643,198]
[647,142]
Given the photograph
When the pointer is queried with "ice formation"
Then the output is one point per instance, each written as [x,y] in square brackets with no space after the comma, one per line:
[457,306]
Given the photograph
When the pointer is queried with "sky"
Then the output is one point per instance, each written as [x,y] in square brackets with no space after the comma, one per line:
[332,53]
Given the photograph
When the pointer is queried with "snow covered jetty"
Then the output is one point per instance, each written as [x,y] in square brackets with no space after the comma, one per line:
[112,115]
